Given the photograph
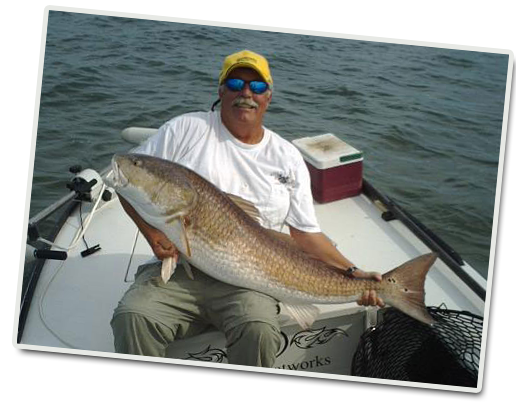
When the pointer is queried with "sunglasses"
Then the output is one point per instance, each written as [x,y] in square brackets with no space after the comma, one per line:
[256,87]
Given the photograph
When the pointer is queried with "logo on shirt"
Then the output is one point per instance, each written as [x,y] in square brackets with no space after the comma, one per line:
[284,179]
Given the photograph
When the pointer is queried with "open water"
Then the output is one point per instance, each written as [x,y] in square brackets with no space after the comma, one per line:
[428,120]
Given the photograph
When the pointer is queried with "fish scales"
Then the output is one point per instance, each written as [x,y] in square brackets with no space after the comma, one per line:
[222,240]
[275,261]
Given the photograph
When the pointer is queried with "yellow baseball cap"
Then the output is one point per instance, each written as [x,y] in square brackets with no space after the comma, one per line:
[246,59]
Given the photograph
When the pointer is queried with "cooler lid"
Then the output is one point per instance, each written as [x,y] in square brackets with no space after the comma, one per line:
[327,151]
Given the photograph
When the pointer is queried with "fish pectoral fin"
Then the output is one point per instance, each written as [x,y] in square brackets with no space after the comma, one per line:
[246,206]
[168,266]
[304,314]
[180,229]
[184,237]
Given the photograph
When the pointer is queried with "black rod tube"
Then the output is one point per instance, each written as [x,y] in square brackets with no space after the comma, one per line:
[50,254]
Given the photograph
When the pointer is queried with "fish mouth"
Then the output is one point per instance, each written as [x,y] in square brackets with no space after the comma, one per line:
[116,178]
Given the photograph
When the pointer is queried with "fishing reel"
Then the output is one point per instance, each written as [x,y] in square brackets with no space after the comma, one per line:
[86,183]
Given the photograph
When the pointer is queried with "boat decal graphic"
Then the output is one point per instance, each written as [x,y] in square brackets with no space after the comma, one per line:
[214,355]
[314,337]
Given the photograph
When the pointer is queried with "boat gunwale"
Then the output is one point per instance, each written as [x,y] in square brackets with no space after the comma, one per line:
[37,267]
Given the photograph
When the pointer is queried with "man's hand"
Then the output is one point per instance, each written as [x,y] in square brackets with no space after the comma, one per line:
[161,245]
[369,297]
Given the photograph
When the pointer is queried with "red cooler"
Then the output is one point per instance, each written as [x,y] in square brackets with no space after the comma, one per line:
[335,167]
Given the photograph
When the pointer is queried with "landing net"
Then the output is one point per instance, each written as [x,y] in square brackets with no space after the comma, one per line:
[401,348]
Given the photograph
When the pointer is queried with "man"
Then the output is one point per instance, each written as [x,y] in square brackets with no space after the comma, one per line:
[233,150]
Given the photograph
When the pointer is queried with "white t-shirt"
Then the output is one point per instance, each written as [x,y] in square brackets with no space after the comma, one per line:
[271,174]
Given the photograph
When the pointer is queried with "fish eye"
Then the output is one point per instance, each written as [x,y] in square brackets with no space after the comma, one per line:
[137,162]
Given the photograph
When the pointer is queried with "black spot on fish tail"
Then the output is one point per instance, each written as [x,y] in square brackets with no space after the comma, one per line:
[409,294]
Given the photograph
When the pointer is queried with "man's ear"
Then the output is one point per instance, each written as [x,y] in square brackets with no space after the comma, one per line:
[269,99]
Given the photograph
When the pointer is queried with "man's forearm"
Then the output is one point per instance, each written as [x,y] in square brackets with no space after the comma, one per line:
[320,247]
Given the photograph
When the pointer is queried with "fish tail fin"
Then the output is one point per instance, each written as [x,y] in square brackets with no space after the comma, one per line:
[409,296]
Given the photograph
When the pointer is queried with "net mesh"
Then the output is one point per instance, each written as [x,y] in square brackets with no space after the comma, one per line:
[401,348]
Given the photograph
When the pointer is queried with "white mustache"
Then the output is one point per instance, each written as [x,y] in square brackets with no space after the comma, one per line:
[244,102]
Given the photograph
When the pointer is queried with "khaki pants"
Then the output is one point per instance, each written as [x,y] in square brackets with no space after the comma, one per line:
[151,315]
